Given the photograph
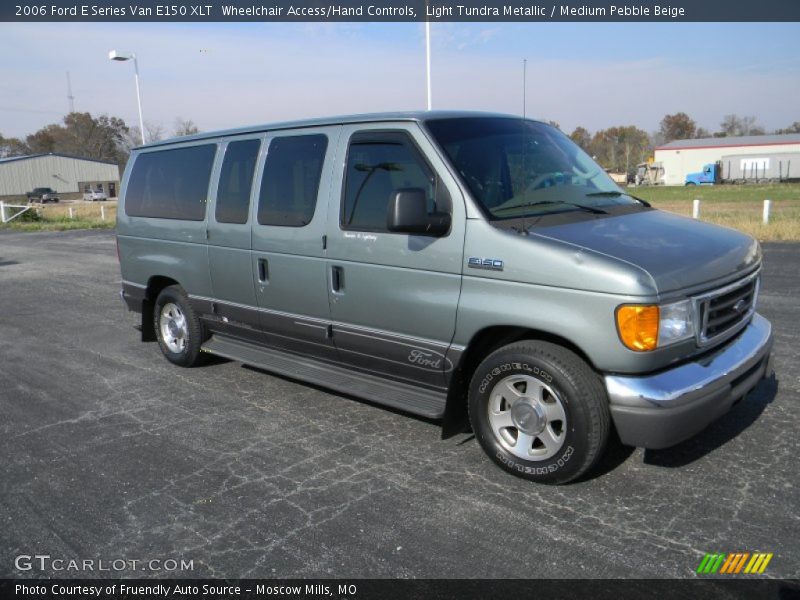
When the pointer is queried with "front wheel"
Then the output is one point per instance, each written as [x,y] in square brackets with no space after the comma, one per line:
[539,411]
[180,333]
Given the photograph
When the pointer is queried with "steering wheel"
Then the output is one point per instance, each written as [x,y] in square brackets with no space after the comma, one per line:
[545,180]
[585,174]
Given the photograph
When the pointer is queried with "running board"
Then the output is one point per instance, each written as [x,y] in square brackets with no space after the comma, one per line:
[419,401]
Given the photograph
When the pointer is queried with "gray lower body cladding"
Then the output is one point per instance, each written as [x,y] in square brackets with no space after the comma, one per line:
[661,410]
[416,400]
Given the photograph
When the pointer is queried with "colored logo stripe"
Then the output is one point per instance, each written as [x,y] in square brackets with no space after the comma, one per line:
[711,563]
[734,563]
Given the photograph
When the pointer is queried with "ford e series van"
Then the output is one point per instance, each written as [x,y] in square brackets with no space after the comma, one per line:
[442,263]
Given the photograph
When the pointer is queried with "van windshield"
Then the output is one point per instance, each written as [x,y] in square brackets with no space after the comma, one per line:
[517,168]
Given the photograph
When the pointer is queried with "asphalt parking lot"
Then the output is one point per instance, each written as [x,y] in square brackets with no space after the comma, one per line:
[108,451]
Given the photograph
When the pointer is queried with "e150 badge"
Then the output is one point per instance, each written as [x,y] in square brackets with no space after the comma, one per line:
[493,264]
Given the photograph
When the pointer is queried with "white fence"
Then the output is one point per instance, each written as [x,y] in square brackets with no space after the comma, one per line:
[764,213]
[21,209]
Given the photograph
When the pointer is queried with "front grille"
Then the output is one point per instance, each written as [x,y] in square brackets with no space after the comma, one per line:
[725,311]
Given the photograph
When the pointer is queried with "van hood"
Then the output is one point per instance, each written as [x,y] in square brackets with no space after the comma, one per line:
[677,252]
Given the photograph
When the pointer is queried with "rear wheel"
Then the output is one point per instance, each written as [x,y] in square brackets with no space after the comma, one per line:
[539,411]
[180,333]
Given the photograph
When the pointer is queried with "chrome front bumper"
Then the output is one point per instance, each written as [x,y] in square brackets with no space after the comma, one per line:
[657,411]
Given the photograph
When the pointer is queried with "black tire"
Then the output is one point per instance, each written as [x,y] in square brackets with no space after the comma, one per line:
[567,382]
[191,330]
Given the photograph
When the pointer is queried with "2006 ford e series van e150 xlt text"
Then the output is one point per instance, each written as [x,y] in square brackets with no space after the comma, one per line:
[439,262]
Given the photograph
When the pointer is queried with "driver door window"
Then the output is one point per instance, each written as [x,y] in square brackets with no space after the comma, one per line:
[377,166]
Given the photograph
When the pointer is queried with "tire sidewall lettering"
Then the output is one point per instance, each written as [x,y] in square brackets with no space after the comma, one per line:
[526,469]
[514,366]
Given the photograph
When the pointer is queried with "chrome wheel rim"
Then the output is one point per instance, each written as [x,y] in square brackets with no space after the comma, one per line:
[172,324]
[527,417]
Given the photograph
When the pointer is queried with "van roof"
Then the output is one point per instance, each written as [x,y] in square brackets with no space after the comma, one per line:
[340,120]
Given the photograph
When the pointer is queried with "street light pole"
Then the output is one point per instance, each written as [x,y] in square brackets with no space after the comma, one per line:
[428,60]
[122,56]
[138,96]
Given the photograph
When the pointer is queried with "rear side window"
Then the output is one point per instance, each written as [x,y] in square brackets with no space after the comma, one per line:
[171,184]
[235,181]
[290,182]
[377,166]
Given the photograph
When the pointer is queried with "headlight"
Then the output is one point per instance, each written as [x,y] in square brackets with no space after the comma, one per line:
[676,323]
[647,327]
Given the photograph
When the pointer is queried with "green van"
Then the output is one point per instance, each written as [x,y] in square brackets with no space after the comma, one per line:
[445,263]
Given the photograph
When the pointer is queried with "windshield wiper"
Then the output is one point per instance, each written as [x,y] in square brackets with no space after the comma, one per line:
[642,200]
[608,193]
[616,193]
[591,209]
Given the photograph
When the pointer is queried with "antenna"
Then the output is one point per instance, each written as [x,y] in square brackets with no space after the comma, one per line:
[70,97]
[524,85]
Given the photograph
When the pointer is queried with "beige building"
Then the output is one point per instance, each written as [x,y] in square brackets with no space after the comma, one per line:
[65,174]
[681,157]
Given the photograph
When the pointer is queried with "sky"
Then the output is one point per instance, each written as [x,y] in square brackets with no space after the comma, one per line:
[595,75]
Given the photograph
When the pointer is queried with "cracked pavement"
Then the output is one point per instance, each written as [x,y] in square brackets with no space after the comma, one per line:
[108,451]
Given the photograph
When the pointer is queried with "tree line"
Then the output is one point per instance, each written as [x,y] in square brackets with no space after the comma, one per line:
[100,138]
[618,148]
[621,148]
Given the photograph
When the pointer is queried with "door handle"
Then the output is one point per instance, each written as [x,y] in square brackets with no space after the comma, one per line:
[263,270]
[337,280]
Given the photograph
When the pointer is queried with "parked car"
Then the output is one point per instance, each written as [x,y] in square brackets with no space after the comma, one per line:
[95,195]
[43,195]
[442,263]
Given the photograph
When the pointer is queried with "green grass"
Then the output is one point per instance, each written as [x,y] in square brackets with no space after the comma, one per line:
[736,206]
[724,193]
[55,217]
[65,224]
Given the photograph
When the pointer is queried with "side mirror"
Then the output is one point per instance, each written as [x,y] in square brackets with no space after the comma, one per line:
[408,213]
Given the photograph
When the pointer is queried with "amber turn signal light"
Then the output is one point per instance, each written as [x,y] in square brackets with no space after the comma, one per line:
[638,326]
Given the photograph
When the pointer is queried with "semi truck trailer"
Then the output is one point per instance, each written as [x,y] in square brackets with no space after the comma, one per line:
[753,168]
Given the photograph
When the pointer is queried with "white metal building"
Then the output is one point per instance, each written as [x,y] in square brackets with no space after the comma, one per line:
[63,173]
[681,157]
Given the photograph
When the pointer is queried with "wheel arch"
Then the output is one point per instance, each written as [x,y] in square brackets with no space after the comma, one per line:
[155,284]
[482,344]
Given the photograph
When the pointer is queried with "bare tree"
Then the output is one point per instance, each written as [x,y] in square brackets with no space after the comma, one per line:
[185,127]
[793,128]
[734,125]
[702,132]
[153,132]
